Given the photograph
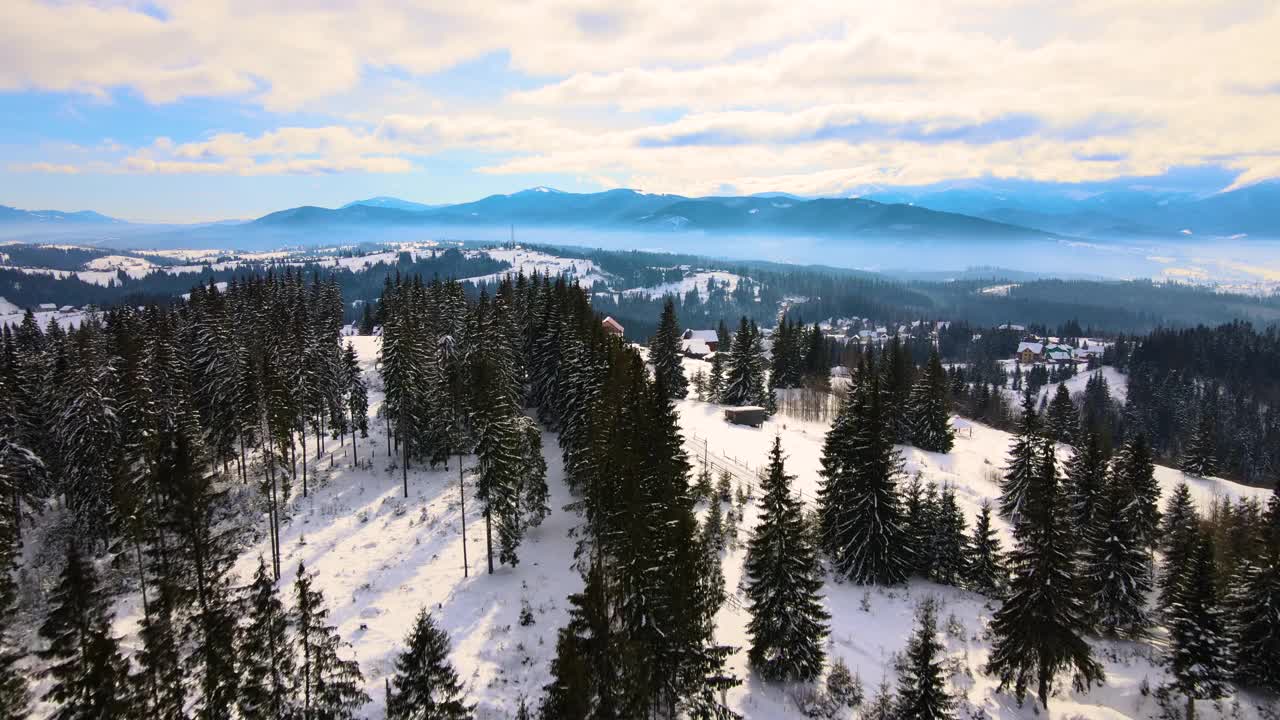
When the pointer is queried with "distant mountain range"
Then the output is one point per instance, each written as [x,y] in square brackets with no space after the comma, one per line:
[960,210]
[637,211]
[1110,212]
[10,215]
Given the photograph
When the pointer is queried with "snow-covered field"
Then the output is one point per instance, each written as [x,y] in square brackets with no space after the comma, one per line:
[379,557]
[11,314]
[696,281]
[529,261]
[1117,383]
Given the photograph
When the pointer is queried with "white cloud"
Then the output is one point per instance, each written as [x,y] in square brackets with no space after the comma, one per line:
[818,97]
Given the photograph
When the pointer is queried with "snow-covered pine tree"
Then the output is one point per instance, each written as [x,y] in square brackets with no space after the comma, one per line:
[744,370]
[860,503]
[788,624]
[832,489]
[844,689]
[817,362]
[202,562]
[268,670]
[585,678]
[1198,649]
[1255,625]
[1095,411]
[15,695]
[330,685]
[89,678]
[715,378]
[713,527]
[1135,468]
[948,546]
[23,475]
[929,414]
[1061,419]
[512,472]
[918,507]
[425,686]
[1040,627]
[1199,457]
[664,351]
[1179,533]
[1086,480]
[1024,461]
[357,401]
[985,572]
[922,685]
[883,705]
[1115,564]
[160,683]
[87,432]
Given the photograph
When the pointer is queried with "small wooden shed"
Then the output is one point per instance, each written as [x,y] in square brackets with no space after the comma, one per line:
[752,415]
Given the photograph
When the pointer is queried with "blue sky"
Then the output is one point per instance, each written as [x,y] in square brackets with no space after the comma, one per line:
[189,110]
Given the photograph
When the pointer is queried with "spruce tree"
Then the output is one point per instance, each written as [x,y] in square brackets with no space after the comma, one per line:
[15,696]
[267,667]
[425,686]
[1086,480]
[922,687]
[1061,418]
[918,508]
[986,571]
[1039,629]
[88,676]
[1198,652]
[664,352]
[330,685]
[1134,468]
[1023,464]
[715,378]
[930,417]
[1255,625]
[859,502]
[1116,569]
[160,683]
[744,370]
[1179,533]
[788,623]
[1199,457]
[585,675]
[197,511]
[948,545]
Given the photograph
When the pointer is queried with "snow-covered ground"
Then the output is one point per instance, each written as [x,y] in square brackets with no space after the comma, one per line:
[528,261]
[1117,383]
[11,314]
[379,557]
[135,267]
[696,281]
[998,289]
[870,625]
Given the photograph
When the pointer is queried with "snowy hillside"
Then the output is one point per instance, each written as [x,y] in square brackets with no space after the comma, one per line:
[695,281]
[869,625]
[379,557]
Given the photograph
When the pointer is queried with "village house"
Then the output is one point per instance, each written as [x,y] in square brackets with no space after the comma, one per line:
[1030,352]
[699,343]
[613,327]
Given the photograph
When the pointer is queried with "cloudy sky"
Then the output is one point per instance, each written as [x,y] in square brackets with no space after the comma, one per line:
[204,109]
